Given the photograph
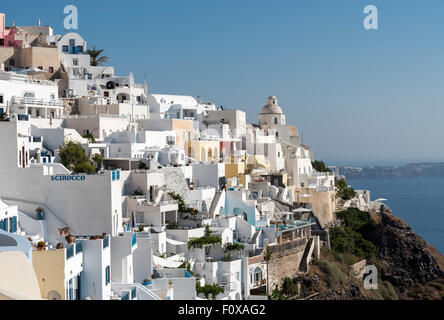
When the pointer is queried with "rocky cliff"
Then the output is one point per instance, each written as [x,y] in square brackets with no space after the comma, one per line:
[408,267]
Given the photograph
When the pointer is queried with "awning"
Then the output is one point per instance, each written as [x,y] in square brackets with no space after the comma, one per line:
[301,210]
[165,263]
[175,242]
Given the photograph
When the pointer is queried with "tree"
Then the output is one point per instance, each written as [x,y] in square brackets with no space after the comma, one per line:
[73,157]
[288,287]
[209,289]
[320,166]
[98,158]
[90,137]
[96,59]
[344,191]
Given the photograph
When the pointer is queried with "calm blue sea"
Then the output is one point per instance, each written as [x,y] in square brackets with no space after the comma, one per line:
[419,202]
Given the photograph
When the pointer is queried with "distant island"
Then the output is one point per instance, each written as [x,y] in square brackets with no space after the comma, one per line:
[413,170]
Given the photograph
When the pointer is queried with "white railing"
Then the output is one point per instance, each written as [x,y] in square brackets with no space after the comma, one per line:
[229,287]
[36,101]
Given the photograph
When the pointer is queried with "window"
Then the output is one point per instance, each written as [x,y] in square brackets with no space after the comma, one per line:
[275,120]
[65,49]
[11,62]
[51,69]
[79,49]
[29,94]
[40,67]
[2,42]
[106,94]
[75,62]
[1,99]
[107,275]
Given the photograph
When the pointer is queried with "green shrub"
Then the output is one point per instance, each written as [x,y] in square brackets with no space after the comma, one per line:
[288,287]
[344,191]
[386,291]
[346,240]
[209,289]
[333,273]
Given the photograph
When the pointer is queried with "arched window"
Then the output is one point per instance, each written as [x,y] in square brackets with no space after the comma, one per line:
[276,120]
[210,154]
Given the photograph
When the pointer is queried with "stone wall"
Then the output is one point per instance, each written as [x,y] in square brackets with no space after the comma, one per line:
[285,260]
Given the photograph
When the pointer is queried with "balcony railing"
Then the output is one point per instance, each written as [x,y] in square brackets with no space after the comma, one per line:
[229,287]
[36,101]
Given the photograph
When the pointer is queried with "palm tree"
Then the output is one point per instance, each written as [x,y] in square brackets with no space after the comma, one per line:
[95,59]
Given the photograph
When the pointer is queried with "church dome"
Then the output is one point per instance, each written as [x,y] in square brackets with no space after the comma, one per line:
[272,106]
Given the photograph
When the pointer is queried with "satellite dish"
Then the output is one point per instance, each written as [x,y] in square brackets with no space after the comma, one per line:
[110,85]
[54,295]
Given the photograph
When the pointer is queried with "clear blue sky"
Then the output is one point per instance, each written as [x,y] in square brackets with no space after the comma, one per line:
[358,96]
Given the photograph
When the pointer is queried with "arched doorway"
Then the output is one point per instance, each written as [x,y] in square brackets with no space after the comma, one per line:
[203,155]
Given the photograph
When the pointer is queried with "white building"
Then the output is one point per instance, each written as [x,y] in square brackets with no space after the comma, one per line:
[22,95]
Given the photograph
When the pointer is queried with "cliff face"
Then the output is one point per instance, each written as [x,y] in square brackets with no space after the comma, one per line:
[405,260]
[408,268]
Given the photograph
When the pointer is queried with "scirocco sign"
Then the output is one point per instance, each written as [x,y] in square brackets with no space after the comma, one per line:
[68,178]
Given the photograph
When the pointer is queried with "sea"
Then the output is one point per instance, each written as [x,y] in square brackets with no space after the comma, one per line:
[418,201]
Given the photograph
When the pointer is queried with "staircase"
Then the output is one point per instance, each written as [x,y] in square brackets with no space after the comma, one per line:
[48,148]
[215,203]
[305,258]
[339,205]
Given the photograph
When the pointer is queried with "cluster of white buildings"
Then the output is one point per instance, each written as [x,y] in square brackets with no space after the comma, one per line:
[176,173]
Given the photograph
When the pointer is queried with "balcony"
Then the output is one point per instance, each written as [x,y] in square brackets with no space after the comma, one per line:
[37,101]
[229,287]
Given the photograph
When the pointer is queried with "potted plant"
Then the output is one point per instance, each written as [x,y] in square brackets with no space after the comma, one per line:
[146,282]
[41,245]
[69,239]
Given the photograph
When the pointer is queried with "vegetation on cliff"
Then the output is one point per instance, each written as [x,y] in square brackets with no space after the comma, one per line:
[344,191]
[407,267]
